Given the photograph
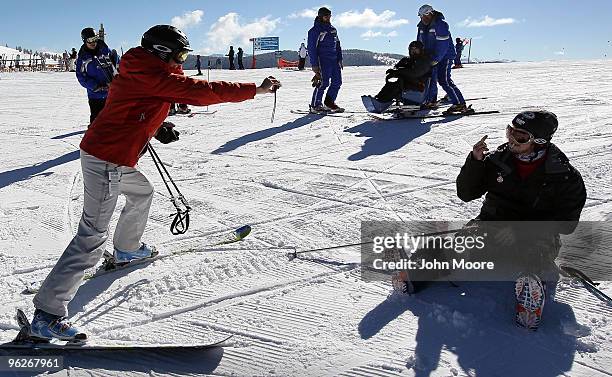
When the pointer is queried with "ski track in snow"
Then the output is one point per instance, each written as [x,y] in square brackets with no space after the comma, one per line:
[303,182]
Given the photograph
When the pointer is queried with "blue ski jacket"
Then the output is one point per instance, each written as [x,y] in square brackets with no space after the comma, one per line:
[323,43]
[95,70]
[437,38]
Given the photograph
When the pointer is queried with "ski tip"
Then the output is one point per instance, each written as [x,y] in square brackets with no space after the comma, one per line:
[243,231]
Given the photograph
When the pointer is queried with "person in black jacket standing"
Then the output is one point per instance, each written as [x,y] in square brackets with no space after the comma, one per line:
[230,56]
[526,179]
[239,56]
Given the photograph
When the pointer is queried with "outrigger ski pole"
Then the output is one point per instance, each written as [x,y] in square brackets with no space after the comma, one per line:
[180,224]
[294,254]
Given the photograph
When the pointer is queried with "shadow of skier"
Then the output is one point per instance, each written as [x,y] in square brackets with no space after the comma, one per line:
[388,136]
[64,136]
[22,174]
[468,324]
[264,134]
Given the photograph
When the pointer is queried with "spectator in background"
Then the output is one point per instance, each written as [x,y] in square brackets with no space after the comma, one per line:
[218,64]
[199,65]
[240,55]
[230,56]
[303,53]
[114,56]
[66,61]
[460,44]
[73,58]
[94,70]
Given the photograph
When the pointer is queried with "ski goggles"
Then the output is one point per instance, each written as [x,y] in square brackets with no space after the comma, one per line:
[518,136]
[181,56]
[93,39]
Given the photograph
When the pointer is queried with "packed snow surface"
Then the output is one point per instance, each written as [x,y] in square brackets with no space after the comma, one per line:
[303,182]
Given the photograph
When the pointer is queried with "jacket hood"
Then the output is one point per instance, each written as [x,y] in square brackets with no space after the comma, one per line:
[138,60]
[323,25]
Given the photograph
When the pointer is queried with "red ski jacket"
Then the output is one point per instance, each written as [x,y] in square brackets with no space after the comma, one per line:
[139,100]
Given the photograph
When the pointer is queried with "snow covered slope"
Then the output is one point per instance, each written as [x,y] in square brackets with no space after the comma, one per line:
[305,182]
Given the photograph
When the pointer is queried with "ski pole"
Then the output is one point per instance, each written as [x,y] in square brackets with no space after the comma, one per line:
[295,253]
[180,224]
[274,108]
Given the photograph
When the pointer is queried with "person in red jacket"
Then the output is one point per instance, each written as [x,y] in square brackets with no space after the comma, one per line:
[150,79]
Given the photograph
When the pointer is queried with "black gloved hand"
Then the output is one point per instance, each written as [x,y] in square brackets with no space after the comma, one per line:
[316,80]
[166,133]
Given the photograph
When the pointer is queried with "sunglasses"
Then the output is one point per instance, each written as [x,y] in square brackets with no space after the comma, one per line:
[181,56]
[92,39]
[518,136]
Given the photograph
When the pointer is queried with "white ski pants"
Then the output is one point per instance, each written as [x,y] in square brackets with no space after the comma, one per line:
[103,182]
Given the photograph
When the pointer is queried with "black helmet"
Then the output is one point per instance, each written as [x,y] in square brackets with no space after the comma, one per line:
[541,124]
[166,42]
[88,34]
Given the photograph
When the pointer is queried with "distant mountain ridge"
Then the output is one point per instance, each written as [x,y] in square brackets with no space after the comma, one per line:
[351,57]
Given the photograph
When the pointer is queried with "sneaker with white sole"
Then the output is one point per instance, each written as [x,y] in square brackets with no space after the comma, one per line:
[530,295]
[46,326]
[145,251]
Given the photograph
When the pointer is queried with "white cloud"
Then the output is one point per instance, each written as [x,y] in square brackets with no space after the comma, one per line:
[187,20]
[372,34]
[368,19]
[486,21]
[228,30]
[307,13]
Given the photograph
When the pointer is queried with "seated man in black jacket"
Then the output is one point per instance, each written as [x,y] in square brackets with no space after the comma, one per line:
[406,81]
[526,179]
[530,186]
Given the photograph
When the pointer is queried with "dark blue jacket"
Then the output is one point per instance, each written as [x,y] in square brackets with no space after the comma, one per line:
[437,38]
[95,70]
[323,43]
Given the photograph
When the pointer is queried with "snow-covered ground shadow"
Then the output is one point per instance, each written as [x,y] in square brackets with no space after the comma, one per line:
[22,174]
[453,320]
[264,134]
[69,134]
[388,136]
[90,290]
[185,361]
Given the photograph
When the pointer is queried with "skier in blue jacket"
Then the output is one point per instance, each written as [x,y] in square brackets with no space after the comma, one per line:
[434,32]
[326,61]
[95,70]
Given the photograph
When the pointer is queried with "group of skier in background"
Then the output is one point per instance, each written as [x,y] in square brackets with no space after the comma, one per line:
[526,178]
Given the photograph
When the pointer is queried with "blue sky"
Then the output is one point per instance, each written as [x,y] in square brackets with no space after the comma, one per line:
[521,30]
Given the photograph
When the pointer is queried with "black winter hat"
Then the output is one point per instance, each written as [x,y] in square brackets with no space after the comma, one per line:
[416,44]
[87,33]
[323,11]
[541,124]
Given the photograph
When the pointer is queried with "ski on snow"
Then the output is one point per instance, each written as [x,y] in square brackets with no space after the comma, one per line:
[400,116]
[109,265]
[589,284]
[25,341]
[386,115]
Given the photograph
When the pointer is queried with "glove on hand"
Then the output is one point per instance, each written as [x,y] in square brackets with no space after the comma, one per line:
[167,134]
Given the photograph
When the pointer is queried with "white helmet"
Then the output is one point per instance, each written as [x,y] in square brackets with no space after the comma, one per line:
[425,10]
